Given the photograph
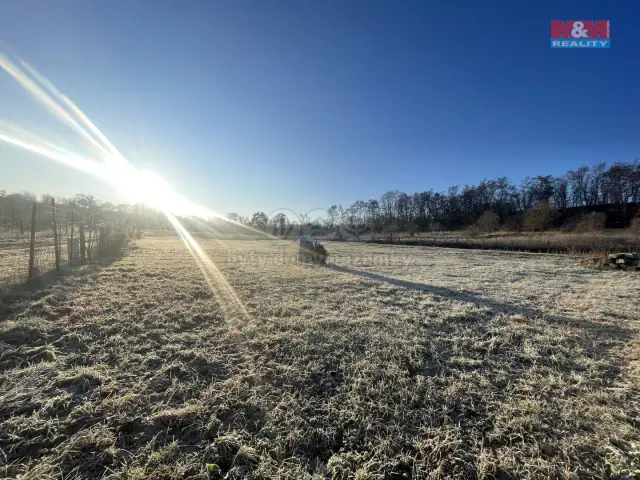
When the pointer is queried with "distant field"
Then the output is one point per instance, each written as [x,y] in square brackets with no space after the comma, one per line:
[393,362]
[610,240]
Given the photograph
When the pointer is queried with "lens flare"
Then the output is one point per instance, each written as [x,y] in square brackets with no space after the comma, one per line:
[108,164]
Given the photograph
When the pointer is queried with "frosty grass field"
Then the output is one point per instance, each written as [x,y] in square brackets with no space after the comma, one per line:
[390,363]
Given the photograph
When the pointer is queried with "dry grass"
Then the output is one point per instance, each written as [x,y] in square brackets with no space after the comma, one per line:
[610,240]
[391,363]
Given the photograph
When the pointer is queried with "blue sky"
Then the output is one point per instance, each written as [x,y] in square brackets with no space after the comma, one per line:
[230,101]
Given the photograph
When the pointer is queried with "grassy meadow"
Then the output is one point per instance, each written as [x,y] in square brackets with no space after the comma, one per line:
[391,362]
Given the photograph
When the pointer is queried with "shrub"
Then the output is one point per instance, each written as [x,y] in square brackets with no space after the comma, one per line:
[570,224]
[488,222]
[116,243]
[513,223]
[539,219]
[320,253]
[592,222]
[473,231]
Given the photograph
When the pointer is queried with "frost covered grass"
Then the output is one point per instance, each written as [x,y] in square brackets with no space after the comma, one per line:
[389,363]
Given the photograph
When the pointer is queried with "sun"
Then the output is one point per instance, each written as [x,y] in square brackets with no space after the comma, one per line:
[149,188]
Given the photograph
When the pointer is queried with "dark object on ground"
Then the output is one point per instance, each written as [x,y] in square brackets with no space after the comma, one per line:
[622,261]
[311,251]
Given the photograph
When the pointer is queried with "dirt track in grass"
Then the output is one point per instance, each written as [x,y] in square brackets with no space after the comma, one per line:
[391,362]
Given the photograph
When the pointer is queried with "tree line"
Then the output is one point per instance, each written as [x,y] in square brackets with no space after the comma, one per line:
[16,208]
[537,203]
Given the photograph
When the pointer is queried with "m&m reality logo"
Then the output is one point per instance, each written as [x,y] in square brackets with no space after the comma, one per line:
[580,34]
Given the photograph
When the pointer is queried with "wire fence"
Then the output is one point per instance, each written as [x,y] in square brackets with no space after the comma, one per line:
[46,238]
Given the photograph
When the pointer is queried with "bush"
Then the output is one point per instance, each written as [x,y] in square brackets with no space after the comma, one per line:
[320,253]
[116,243]
[539,219]
[488,222]
[473,231]
[513,223]
[570,224]
[592,222]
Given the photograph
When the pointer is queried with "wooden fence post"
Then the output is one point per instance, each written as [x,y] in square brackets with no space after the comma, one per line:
[94,251]
[56,248]
[83,256]
[71,242]
[89,245]
[32,243]
[102,241]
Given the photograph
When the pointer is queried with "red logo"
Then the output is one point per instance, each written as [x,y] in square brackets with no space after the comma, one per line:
[576,29]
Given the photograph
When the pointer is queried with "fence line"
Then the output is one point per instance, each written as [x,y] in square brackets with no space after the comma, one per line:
[46,237]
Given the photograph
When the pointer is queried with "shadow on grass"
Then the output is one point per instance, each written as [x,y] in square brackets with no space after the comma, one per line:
[618,332]
[499,370]
[12,300]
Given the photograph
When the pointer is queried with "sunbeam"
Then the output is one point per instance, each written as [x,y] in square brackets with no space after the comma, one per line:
[139,186]
[208,268]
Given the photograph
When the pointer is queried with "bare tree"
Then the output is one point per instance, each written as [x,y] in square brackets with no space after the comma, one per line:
[578,180]
[260,220]
[389,230]
[332,214]
[233,216]
[560,197]
[388,202]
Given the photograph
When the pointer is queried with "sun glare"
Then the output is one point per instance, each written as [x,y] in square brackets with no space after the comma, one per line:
[108,164]
[142,186]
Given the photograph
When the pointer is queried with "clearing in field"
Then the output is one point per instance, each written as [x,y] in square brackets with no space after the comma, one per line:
[389,362]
